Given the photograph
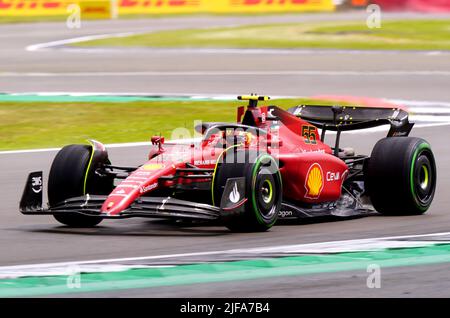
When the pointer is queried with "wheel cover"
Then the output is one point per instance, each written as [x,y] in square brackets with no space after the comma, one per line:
[266,187]
[267,191]
[423,177]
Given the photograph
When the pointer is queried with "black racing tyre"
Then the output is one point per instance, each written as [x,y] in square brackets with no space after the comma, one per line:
[401,176]
[263,189]
[67,180]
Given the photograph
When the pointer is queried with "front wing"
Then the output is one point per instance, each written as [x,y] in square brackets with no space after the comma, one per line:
[149,207]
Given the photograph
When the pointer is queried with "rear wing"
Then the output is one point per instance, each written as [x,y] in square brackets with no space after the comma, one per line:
[345,118]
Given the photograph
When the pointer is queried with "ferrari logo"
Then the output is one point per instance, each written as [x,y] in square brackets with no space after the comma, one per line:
[234,195]
[314,182]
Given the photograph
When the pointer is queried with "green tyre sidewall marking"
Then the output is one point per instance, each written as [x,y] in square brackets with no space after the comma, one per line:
[421,147]
[88,167]
[254,175]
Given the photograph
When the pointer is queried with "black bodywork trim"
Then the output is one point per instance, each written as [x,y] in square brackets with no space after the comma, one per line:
[346,118]
[151,207]
[157,207]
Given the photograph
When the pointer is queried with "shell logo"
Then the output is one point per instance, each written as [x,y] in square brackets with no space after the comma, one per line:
[314,182]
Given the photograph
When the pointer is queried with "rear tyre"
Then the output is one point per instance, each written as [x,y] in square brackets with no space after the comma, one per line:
[401,176]
[263,190]
[67,180]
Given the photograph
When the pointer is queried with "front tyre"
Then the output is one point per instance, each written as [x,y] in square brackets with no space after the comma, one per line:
[263,189]
[69,178]
[401,176]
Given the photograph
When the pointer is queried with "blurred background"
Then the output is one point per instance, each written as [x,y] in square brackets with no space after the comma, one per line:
[16,9]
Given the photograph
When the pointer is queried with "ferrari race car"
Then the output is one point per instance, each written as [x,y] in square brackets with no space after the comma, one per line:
[272,164]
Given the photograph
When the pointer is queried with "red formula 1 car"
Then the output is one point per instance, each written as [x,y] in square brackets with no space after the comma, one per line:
[272,164]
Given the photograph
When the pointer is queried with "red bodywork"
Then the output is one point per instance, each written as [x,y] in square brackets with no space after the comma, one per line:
[310,172]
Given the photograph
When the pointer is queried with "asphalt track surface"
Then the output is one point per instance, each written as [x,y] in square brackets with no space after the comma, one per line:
[28,240]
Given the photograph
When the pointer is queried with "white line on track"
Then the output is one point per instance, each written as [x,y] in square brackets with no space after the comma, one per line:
[421,103]
[229,73]
[131,144]
[148,94]
[117,264]
[119,145]
[62,45]
[230,51]
[54,44]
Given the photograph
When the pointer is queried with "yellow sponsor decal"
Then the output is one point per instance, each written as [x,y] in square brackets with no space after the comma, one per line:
[162,6]
[262,6]
[222,6]
[103,8]
[153,166]
[99,9]
[89,9]
[314,182]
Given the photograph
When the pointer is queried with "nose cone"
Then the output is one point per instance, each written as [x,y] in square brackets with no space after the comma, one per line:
[140,182]
[116,204]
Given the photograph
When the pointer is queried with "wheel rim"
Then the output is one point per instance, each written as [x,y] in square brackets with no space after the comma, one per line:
[424,179]
[267,191]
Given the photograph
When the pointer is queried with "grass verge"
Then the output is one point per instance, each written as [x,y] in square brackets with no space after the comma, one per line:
[26,125]
[398,35]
